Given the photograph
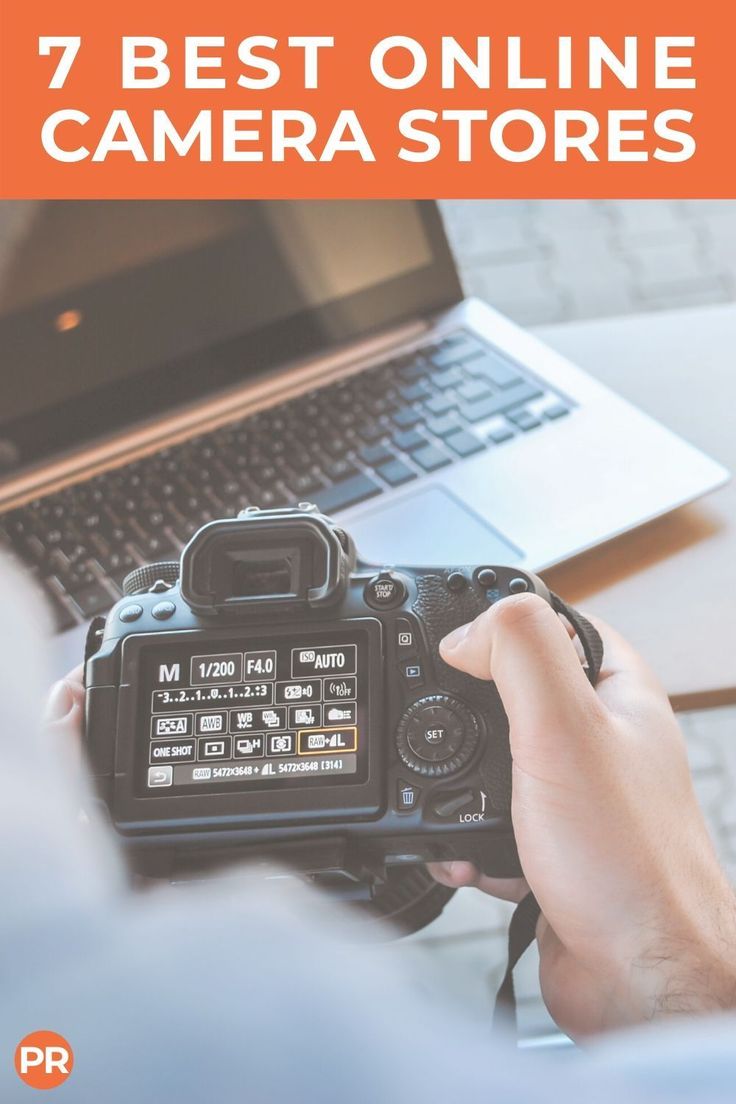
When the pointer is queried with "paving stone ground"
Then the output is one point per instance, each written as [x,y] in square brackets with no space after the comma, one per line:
[543,262]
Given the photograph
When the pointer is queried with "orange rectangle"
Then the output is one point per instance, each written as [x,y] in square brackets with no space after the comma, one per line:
[175,141]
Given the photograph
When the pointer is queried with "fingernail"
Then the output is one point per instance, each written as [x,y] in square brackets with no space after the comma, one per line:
[455,637]
[60,702]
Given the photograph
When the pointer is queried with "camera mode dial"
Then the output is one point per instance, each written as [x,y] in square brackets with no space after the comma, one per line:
[437,735]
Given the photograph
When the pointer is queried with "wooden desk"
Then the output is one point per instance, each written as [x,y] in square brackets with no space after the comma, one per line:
[669,586]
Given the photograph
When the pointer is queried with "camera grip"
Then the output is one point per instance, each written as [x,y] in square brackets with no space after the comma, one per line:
[441,611]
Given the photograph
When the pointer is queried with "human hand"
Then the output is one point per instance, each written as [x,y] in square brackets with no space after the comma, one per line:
[638,920]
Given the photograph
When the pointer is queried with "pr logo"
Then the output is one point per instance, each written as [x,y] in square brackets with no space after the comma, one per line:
[43,1060]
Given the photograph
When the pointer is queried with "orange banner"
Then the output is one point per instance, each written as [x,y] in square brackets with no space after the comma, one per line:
[221,100]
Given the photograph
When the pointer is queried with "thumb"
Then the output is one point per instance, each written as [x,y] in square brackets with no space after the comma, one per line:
[521,643]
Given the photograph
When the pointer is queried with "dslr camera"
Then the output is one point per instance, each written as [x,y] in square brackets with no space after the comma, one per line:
[273,697]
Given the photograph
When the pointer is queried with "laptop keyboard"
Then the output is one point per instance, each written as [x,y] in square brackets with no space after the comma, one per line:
[337,446]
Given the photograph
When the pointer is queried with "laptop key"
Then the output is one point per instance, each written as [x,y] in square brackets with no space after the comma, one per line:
[92,599]
[304,483]
[501,402]
[440,404]
[336,470]
[376,454]
[396,472]
[524,419]
[457,350]
[449,377]
[430,458]
[464,443]
[406,417]
[499,371]
[414,370]
[371,431]
[500,434]
[474,389]
[414,391]
[347,493]
[409,439]
[441,427]
[558,410]
[269,499]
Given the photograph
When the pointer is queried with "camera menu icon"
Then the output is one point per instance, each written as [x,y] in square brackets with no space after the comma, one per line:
[281,743]
[337,689]
[207,724]
[214,749]
[305,716]
[160,775]
[305,691]
[249,747]
[340,713]
[179,724]
[328,659]
[255,720]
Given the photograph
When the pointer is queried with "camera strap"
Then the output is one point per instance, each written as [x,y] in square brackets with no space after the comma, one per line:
[523,926]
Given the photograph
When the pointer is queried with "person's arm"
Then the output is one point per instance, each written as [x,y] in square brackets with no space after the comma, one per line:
[638,920]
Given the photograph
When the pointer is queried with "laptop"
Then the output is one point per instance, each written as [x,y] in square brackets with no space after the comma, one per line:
[166,363]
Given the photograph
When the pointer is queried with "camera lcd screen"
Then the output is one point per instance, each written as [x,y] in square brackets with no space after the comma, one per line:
[250,714]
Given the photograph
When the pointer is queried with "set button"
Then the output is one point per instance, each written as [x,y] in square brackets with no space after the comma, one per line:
[437,735]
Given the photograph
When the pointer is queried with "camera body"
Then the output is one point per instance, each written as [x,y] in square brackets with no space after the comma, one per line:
[284,701]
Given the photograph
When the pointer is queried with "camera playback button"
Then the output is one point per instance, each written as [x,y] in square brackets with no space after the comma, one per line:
[384,591]
[412,671]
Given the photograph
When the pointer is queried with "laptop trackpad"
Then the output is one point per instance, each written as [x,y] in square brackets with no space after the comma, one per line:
[428,527]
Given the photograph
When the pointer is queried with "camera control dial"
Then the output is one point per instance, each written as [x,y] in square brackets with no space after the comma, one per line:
[437,735]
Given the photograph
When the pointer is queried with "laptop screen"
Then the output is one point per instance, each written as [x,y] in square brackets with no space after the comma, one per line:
[111,312]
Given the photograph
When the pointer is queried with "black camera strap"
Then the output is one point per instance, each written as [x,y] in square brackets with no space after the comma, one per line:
[523,926]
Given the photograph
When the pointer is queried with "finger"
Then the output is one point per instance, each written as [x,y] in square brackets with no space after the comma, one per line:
[458,875]
[523,645]
[64,715]
[625,675]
